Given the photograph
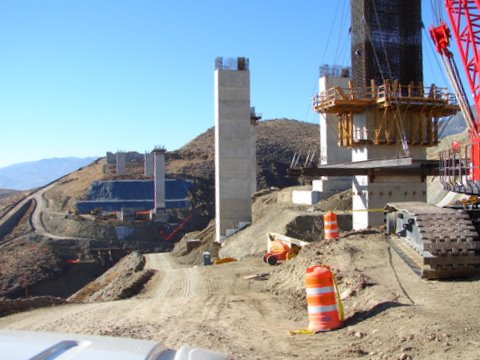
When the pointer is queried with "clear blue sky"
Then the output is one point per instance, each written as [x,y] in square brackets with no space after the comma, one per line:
[79,78]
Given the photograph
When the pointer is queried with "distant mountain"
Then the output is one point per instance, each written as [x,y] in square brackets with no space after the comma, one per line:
[451,126]
[6,193]
[32,174]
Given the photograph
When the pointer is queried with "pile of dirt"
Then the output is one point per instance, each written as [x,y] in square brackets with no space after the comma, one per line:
[123,280]
[347,259]
[337,202]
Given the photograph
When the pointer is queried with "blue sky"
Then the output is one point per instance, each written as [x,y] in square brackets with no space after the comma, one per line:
[79,78]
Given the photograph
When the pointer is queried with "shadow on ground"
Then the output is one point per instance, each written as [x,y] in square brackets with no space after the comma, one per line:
[360,316]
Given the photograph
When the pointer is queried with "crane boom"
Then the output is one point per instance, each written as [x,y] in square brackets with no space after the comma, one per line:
[464,16]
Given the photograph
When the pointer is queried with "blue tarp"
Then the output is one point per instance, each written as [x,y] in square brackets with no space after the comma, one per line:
[133,194]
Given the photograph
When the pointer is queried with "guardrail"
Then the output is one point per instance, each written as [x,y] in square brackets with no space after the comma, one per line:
[386,91]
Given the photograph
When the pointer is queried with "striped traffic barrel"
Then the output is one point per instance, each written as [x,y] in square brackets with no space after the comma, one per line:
[330,225]
[323,312]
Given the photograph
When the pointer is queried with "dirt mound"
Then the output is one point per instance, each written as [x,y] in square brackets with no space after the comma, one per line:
[339,201]
[347,258]
[123,280]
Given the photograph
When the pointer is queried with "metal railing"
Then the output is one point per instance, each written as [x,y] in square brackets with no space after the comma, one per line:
[387,91]
[231,63]
[334,71]
[457,172]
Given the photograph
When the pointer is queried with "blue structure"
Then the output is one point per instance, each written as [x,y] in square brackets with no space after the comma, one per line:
[133,194]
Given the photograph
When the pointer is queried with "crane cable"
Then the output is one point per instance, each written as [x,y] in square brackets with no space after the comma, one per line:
[397,122]
[341,23]
[453,75]
[399,119]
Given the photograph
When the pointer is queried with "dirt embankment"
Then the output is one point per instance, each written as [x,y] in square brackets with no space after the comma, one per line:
[123,280]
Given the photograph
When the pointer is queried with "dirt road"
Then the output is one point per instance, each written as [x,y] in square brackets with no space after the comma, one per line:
[215,308]
[201,306]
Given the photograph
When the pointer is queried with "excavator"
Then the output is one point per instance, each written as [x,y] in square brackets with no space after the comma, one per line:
[447,239]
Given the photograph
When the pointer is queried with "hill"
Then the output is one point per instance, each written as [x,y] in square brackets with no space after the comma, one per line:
[452,125]
[4,193]
[32,174]
[277,141]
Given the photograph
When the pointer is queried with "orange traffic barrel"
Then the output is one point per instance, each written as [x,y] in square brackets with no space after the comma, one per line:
[323,311]
[330,225]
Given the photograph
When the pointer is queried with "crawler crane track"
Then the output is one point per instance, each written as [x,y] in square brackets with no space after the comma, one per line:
[437,243]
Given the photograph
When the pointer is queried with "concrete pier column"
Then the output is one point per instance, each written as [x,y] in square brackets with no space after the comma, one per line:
[121,159]
[370,194]
[159,179]
[148,164]
[330,151]
[235,163]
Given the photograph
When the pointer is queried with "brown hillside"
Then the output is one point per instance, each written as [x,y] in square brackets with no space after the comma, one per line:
[277,141]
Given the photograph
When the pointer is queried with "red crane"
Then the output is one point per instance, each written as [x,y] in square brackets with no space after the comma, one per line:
[460,168]
[169,236]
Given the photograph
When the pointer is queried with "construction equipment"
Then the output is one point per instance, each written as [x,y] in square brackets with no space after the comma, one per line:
[176,229]
[281,248]
[446,241]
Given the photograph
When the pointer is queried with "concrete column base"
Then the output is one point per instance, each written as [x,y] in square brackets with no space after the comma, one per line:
[369,198]
[332,183]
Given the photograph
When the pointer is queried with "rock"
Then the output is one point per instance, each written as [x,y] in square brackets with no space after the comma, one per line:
[348,293]
[359,334]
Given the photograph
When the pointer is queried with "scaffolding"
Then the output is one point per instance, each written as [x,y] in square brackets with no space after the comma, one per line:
[390,112]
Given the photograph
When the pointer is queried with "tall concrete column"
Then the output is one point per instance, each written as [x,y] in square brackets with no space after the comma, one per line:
[235,163]
[386,47]
[148,164]
[121,159]
[159,179]
[330,151]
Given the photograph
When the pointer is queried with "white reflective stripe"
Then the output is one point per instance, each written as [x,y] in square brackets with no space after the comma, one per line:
[331,231]
[329,222]
[320,290]
[321,309]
